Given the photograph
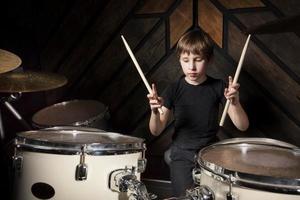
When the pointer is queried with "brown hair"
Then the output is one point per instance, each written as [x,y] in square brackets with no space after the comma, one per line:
[196,42]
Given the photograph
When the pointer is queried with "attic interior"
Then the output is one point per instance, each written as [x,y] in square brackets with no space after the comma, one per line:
[64,62]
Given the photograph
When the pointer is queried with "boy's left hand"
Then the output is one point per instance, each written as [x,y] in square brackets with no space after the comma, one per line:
[232,92]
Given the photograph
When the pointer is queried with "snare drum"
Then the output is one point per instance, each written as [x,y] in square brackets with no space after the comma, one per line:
[71,164]
[250,168]
[87,113]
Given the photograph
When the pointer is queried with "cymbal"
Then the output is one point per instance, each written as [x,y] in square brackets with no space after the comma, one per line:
[30,81]
[8,61]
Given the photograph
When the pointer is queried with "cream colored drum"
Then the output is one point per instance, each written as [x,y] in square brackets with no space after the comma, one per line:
[247,169]
[77,164]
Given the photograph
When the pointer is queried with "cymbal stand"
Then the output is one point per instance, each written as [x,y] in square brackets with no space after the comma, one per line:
[6,101]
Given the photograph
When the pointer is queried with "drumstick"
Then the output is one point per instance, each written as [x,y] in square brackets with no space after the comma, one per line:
[139,69]
[236,76]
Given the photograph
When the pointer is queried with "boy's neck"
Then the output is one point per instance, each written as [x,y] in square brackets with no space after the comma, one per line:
[196,82]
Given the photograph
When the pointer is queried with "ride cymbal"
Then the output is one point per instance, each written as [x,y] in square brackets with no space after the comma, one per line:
[30,81]
[8,61]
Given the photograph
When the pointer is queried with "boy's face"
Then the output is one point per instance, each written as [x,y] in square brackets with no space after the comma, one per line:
[194,67]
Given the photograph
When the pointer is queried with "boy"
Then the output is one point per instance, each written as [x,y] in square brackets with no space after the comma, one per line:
[194,100]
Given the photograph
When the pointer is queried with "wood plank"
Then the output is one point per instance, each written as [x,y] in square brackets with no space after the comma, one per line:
[211,20]
[283,89]
[50,15]
[154,6]
[232,4]
[292,7]
[108,65]
[96,38]
[125,81]
[284,45]
[180,20]
[68,33]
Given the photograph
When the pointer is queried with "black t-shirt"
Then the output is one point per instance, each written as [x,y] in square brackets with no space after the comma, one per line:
[195,109]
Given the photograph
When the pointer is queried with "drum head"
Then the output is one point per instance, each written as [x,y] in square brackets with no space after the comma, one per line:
[75,112]
[72,141]
[257,160]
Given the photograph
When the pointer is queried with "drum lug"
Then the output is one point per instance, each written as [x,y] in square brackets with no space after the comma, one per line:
[81,168]
[141,165]
[229,195]
[17,163]
[197,175]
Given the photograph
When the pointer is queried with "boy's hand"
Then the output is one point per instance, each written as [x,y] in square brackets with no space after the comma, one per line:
[154,100]
[232,92]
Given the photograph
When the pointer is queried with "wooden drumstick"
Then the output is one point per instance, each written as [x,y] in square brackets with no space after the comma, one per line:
[139,69]
[236,76]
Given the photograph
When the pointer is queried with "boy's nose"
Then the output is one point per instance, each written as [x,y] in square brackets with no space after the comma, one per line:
[191,65]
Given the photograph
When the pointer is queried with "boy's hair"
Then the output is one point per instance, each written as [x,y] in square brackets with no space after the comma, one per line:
[196,42]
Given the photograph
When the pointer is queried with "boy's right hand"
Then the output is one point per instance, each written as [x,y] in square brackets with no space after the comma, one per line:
[154,100]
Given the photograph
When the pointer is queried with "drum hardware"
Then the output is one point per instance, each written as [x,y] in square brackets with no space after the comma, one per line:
[142,162]
[229,195]
[81,168]
[7,102]
[196,175]
[17,160]
[125,180]
[202,192]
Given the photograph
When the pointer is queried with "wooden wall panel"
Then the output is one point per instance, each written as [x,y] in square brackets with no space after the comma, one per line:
[50,15]
[68,33]
[290,7]
[284,45]
[211,20]
[95,39]
[154,6]
[266,118]
[111,61]
[232,4]
[284,89]
[180,20]
[149,54]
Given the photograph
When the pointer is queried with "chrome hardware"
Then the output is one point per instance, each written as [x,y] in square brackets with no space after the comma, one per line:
[202,192]
[125,180]
[81,168]
[141,165]
[17,160]
[17,163]
[197,175]
[229,195]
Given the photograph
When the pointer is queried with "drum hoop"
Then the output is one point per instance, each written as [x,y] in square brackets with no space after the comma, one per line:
[242,179]
[71,148]
[91,149]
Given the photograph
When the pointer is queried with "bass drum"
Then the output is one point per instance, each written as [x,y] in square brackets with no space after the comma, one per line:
[86,113]
[72,164]
[249,168]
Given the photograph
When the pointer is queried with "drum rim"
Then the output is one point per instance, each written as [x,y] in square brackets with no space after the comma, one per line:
[265,183]
[96,148]
[78,123]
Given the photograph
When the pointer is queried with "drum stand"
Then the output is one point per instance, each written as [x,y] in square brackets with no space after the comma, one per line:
[6,101]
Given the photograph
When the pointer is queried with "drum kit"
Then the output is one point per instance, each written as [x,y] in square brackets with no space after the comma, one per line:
[70,155]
